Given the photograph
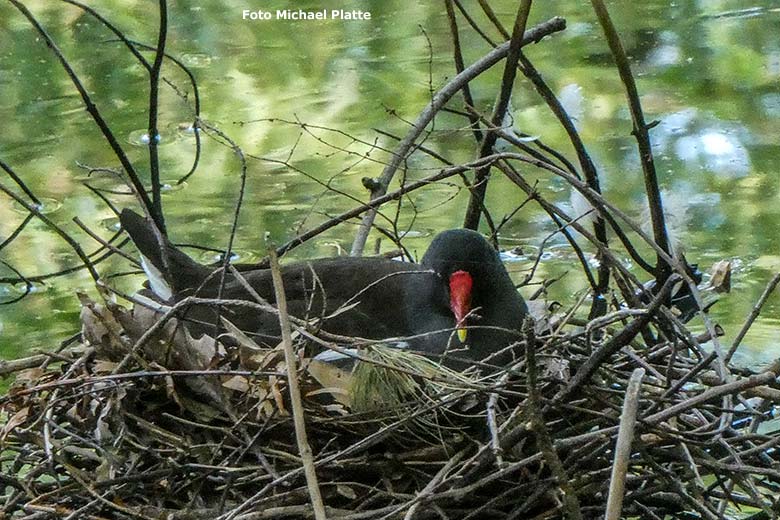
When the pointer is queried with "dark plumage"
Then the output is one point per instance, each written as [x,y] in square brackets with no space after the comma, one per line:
[387,298]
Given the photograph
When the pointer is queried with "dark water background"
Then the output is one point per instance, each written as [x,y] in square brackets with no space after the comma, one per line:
[708,71]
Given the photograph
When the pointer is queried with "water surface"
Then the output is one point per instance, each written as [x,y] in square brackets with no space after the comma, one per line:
[709,75]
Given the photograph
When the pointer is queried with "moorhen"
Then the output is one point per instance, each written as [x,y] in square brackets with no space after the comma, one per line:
[459,300]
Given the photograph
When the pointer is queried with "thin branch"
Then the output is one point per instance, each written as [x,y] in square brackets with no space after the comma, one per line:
[479,186]
[89,105]
[154,106]
[768,290]
[614,345]
[19,182]
[304,449]
[642,136]
[33,209]
[571,504]
[617,482]
[407,145]
[460,66]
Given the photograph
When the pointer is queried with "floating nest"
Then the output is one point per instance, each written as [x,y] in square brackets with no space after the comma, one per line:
[627,412]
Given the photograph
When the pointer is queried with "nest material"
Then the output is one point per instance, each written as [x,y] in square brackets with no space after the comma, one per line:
[183,429]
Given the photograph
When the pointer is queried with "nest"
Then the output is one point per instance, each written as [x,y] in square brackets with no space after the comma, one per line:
[143,421]
[625,414]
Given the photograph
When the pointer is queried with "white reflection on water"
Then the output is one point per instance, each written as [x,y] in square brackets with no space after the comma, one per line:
[771,105]
[667,53]
[704,143]
[573,101]
[716,151]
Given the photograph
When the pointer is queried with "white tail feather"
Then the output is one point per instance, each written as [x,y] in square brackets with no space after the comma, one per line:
[156,280]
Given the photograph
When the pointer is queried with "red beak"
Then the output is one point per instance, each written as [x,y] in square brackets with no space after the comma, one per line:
[460,300]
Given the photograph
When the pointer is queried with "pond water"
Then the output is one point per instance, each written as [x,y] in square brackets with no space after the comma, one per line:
[708,73]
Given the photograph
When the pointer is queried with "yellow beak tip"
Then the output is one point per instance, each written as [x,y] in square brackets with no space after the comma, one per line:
[462,335]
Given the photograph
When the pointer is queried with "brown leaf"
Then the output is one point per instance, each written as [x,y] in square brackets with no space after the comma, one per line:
[237,383]
[16,420]
[720,281]
[334,380]
[101,329]
[28,378]
[174,348]
[346,491]
[276,393]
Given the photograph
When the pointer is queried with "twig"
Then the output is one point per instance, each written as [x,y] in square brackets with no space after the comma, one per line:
[439,100]
[304,449]
[493,18]
[492,422]
[617,481]
[470,20]
[571,504]
[437,479]
[16,232]
[460,66]
[586,163]
[33,209]
[479,186]
[373,204]
[89,105]
[154,106]
[104,243]
[27,283]
[9,366]
[19,182]
[613,345]
[642,136]
[237,211]
[752,317]
[712,393]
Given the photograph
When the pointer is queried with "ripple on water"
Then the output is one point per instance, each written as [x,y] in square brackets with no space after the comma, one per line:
[215,257]
[171,185]
[185,128]
[108,182]
[269,192]
[10,292]
[167,137]
[110,224]
[760,343]
[46,206]
[416,233]
[518,252]
[196,60]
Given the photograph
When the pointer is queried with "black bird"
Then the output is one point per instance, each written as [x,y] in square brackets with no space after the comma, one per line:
[459,302]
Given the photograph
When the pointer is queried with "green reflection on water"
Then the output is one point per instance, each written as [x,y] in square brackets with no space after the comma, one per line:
[709,75]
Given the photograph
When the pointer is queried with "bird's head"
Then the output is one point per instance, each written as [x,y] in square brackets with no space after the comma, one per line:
[467,263]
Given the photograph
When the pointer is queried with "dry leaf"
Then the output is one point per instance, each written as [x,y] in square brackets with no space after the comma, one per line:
[334,380]
[238,335]
[251,356]
[103,366]
[237,383]
[16,419]
[100,329]
[28,378]
[346,491]
[276,393]
[174,348]
[720,281]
